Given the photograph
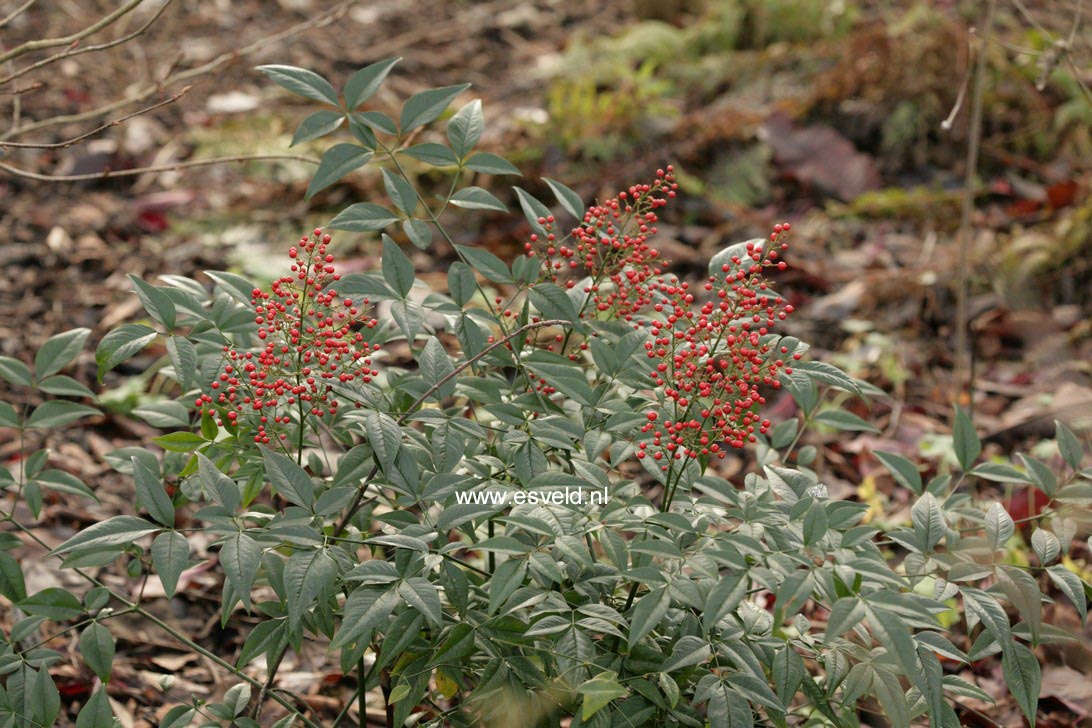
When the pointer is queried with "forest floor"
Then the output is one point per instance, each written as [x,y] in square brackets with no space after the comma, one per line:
[770,111]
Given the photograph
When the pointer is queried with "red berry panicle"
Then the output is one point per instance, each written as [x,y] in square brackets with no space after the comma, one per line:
[312,339]
[610,247]
[713,356]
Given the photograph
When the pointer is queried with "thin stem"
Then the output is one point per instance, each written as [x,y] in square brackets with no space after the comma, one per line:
[37,45]
[964,377]
[68,53]
[17,12]
[229,57]
[362,694]
[110,173]
[96,130]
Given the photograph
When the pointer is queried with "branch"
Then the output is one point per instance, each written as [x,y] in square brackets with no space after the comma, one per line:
[428,393]
[17,12]
[104,127]
[316,22]
[87,49]
[963,374]
[108,174]
[37,45]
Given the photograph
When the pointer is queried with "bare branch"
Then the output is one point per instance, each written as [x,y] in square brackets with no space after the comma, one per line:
[87,49]
[96,130]
[110,173]
[141,95]
[17,12]
[37,45]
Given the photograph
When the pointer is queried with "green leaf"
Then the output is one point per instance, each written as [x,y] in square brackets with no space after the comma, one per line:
[58,352]
[788,673]
[929,525]
[688,651]
[487,163]
[507,577]
[647,614]
[891,631]
[15,371]
[363,84]
[426,106]
[1046,546]
[999,473]
[236,698]
[111,532]
[397,268]
[1071,585]
[120,344]
[419,233]
[986,610]
[151,493]
[240,556]
[1023,676]
[399,693]
[839,419]
[1068,445]
[8,416]
[422,595]
[316,125]
[302,82]
[179,441]
[476,198]
[62,482]
[902,470]
[999,526]
[385,437]
[337,162]
[64,386]
[533,210]
[466,127]
[400,191]
[268,637]
[599,692]
[156,302]
[461,282]
[1040,475]
[96,713]
[891,696]
[220,487]
[306,575]
[363,217]
[846,614]
[12,584]
[57,413]
[965,439]
[552,302]
[170,556]
[435,366]
[54,603]
[365,609]
[97,648]
[433,154]
[290,480]
[486,263]
[569,200]
[1022,591]
[828,374]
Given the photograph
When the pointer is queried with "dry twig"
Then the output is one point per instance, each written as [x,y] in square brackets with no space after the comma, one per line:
[110,173]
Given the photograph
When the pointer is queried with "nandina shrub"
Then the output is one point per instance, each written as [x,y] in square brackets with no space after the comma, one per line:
[524,524]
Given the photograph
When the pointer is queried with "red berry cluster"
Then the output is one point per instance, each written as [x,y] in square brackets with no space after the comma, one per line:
[712,357]
[313,341]
[611,248]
